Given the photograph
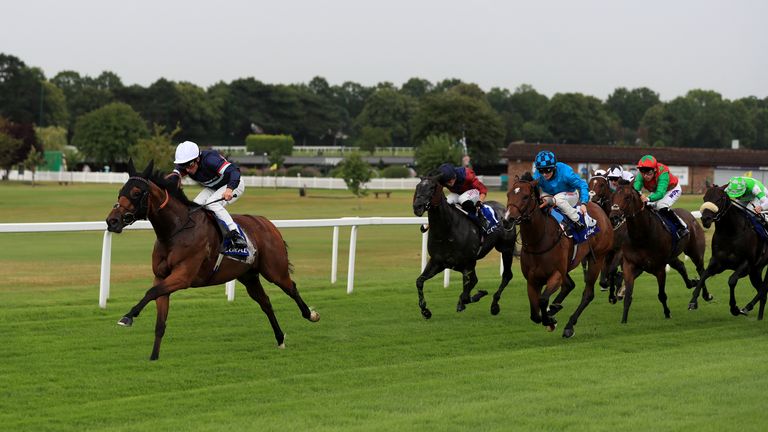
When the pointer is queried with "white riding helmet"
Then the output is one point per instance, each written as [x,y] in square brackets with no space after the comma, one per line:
[599,173]
[615,172]
[186,152]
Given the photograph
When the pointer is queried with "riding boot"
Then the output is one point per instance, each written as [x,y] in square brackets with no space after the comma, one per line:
[238,241]
[489,242]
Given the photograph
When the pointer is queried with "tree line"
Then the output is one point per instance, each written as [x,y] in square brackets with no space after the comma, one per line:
[108,121]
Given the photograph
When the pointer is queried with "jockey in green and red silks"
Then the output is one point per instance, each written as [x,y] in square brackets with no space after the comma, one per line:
[664,189]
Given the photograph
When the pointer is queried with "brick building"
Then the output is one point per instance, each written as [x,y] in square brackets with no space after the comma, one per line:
[693,166]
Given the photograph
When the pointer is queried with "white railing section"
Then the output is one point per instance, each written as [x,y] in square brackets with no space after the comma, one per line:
[353,222]
[251,181]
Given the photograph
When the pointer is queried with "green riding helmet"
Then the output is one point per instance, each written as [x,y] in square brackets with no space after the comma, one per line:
[736,187]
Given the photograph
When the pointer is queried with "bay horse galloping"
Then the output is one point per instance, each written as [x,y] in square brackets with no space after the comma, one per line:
[600,193]
[453,242]
[188,245]
[650,247]
[735,246]
[547,255]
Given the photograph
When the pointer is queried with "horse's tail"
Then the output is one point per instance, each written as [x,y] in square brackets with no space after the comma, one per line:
[290,264]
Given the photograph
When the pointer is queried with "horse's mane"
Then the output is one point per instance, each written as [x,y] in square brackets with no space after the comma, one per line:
[171,184]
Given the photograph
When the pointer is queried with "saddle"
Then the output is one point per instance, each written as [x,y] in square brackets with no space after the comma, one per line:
[758,223]
[672,223]
[570,231]
[245,255]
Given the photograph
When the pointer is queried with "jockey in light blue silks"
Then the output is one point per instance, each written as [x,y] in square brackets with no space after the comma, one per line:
[562,187]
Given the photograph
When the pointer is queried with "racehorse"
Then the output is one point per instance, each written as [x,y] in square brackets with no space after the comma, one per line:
[735,246]
[187,247]
[453,241]
[547,255]
[650,247]
[600,193]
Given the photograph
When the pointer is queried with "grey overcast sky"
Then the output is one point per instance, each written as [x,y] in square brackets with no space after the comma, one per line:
[587,46]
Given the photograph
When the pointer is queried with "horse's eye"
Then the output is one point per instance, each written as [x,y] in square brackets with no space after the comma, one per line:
[135,194]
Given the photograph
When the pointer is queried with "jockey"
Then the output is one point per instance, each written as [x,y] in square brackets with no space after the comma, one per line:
[219,178]
[616,176]
[561,186]
[664,188]
[599,173]
[464,186]
[748,191]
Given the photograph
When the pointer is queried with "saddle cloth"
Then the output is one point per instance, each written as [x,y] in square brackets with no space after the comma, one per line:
[579,236]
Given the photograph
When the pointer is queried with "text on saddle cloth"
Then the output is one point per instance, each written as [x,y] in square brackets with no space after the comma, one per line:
[581,235]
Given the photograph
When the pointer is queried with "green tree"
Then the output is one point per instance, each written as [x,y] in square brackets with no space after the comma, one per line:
[452,113]
[25,133]
[52,137]
[84,94]
[416,88]
[20,88]
[54,106]
[105,135]
[388,109]
[159,148]
[576,118]
[655,127]
[9,146]
[356,172]
[372,138]
[435,150]
[34,159]
[630,105]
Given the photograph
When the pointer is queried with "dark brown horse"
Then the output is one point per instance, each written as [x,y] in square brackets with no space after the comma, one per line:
[187,249]
[600,193]
[453,242]
[735,246]
[650,247]
[547,255]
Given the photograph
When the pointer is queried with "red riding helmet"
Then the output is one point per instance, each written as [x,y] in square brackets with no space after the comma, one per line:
[647,161]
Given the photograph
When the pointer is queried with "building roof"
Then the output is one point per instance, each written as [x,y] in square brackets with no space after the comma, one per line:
[691,156]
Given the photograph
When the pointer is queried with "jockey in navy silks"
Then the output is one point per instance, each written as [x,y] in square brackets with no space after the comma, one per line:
[221,183]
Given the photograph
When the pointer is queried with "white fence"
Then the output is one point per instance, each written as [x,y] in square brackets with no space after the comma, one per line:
[252,181]
[353,222]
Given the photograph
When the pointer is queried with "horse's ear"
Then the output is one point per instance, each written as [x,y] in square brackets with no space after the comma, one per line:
[131,168]
[722,187]
[148,170]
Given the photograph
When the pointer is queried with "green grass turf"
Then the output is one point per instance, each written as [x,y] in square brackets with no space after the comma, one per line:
[371,363]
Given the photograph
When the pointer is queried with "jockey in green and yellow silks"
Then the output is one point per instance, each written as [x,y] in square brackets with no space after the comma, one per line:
[749,192]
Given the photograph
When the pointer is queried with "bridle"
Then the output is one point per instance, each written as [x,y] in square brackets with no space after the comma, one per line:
[142,209]
[721,210]
[530,207]
[525,216]
[622,214]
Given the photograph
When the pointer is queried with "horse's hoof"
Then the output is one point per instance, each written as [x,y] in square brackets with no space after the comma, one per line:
[153,357]
[281,346]
[554,308]
[480,294]
[551,327]
[693,283]
[314,316]
[426,313]
[495,309]
[735,311]
[710,298]
[693,306]
[568,333]
[612,300]
[125,321]
[460,307]
[744,311]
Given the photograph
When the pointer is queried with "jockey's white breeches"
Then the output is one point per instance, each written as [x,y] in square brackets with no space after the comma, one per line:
[668,199]
[565,201]
[470,195]
[208,195]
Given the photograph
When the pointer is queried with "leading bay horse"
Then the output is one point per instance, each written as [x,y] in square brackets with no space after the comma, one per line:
[650,247]
[187,248]
[735,246]
[547,255]
[453,242]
